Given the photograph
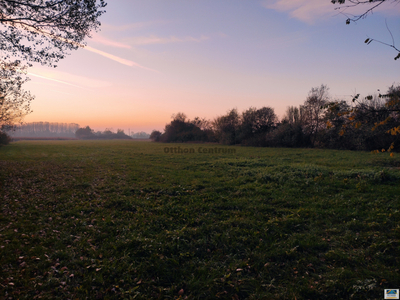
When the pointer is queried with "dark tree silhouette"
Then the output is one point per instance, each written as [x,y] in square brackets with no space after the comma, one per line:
[43,31]
[314,111]
[227,127]
[155,135]
[85,133]
[14,103]
[38,31]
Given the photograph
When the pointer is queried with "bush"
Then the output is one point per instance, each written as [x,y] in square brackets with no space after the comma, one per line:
[288,135]
[155,135]
[180,131]
[5,139]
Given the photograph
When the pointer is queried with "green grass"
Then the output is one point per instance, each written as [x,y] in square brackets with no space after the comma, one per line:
[125,220]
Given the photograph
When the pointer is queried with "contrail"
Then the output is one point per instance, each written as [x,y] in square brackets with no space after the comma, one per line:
[60,81]
[105,54]
[117,59]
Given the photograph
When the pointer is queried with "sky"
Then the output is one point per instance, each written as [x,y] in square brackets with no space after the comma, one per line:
[152,59]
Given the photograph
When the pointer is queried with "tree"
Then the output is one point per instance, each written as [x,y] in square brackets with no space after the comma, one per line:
[371,6]
[383,118]
[314,111]
[35,129]
[255,124]
[336,120]
[288,135]
[182,130]
[226,127]
[206,127]
[43,31]
[155,135]
[14,103]
[294,115]
[38,31]
[202,123]
[372,123]
[180,116]
[259,120]
[85,133]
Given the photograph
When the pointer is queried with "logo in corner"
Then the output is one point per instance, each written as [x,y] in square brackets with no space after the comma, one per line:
[391,294]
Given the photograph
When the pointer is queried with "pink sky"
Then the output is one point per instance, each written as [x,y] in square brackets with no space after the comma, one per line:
[152,59]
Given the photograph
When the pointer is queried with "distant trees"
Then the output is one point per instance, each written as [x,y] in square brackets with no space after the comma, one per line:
[68,130]
[182,129]
[364,124]
[44,129]
[87,133]
[140,135]
[232,128]
[294,115]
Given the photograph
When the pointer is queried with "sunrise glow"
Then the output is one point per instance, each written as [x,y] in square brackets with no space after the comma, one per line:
[152,59]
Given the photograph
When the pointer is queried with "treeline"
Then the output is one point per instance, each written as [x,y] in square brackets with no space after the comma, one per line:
[89,134]
[44,129]
[62,130]
[140,135]
[363,124]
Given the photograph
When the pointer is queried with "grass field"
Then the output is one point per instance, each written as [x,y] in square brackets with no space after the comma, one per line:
[126,220]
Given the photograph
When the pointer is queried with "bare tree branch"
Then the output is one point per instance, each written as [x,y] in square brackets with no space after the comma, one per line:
[354,18]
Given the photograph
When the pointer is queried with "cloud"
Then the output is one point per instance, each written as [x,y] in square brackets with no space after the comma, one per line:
[105,54]
[52,79]
[160,40]
[102,40]
[131,26]
[117,59]
[307,11]
[67,78]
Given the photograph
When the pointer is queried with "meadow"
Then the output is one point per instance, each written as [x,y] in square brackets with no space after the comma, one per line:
[132,220]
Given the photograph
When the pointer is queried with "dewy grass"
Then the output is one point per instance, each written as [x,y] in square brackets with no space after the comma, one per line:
[126,220]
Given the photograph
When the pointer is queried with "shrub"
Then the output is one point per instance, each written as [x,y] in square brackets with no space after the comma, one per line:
[5,139]
[288,135]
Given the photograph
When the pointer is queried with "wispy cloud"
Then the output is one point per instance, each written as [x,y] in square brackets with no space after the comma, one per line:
[307,11]
[52,79]
[131,26]
[118,59]
[67,78]
[103,53]
[97,38]
[164,40]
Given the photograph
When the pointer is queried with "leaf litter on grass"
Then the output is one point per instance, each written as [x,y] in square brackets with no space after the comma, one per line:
[142,224]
